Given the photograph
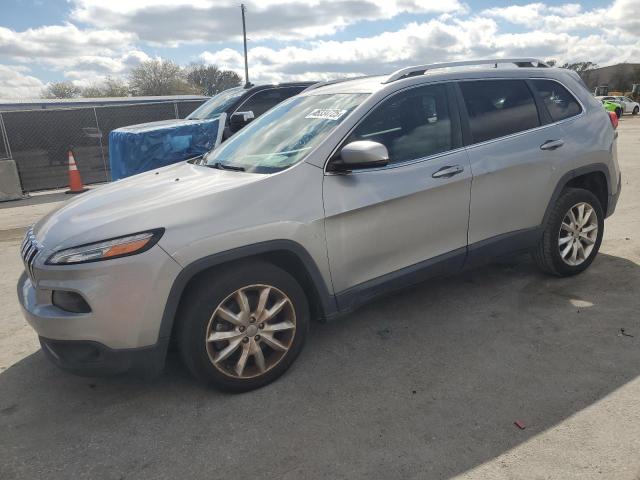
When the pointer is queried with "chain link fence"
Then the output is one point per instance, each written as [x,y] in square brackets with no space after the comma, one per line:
[5,154]
[38,140]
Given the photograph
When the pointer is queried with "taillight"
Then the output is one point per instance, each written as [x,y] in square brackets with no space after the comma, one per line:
[614,119]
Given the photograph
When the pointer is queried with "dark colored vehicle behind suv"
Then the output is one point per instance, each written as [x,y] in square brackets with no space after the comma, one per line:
[139,148]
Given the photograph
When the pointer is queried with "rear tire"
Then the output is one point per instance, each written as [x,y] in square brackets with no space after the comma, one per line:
[567,247]
[618,112]
[242,326]
[635,110]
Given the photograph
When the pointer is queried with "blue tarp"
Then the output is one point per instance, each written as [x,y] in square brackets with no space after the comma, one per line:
[143,147]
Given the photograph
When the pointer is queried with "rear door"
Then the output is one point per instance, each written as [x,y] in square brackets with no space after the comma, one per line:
[513,157]
[386,221]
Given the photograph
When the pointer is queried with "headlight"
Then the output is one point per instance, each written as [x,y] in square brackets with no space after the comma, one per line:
[107,249]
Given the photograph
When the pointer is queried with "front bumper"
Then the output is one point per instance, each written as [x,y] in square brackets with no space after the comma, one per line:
[126,297]
[91,359]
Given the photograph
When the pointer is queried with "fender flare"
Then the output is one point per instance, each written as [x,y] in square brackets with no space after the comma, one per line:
[570,175]
[326,299]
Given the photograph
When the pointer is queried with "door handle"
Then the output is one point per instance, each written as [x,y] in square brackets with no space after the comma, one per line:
[551,144]
[448,171]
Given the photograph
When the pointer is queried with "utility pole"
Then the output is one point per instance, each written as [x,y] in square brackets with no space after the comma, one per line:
[244,35]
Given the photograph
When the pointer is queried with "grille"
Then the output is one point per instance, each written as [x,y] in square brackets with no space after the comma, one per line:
[29,251]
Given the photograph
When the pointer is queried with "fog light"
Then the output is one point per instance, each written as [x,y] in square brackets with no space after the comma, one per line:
[70,302]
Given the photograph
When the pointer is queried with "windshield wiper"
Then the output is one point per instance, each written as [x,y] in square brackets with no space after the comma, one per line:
[221,166]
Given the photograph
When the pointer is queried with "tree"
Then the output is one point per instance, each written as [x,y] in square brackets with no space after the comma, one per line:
[584,69]
[210,80]
[61,90]
[158,77]
[114,87]
[110,87]
[92,91]
[580,67]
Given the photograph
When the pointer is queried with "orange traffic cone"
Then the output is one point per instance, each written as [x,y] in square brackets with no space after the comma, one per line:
[75,182]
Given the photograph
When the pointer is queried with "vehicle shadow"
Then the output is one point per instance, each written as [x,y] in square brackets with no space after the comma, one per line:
[425,383]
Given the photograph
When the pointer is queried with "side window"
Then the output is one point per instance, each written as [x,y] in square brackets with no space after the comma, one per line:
[412,124]
[499,107]
[286,92]
[261,102]
[559,102]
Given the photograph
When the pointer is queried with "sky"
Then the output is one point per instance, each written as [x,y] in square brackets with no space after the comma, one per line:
[86,41]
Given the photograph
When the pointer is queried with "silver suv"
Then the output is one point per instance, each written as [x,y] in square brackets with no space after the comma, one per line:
[335,196]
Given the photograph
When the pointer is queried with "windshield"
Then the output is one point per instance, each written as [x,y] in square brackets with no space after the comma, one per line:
[284,135]
[217,104]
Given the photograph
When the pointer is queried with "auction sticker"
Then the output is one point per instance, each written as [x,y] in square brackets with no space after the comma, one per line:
[326,113]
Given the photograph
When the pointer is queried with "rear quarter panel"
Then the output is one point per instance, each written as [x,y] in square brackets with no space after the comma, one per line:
[590,139]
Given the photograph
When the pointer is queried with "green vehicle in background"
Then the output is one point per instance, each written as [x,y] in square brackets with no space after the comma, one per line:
[612,107]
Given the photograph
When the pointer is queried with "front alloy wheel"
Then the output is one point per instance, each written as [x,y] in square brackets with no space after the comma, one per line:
[242,325]
[250,331]
[578,234]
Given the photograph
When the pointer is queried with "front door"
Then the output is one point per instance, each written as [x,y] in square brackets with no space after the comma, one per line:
[389,221]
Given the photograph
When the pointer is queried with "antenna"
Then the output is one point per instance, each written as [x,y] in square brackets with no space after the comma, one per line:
[247,84]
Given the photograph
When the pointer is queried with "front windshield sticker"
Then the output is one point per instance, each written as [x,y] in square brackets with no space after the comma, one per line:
[326,113]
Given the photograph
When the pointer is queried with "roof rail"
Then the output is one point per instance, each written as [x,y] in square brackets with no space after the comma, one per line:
[332,82]
[421,69]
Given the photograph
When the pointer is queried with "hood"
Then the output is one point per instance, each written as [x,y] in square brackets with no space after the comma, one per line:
[166,197]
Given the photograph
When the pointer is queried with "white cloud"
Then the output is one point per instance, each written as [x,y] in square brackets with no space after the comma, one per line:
[115,33]
[154,21]
[15,83]
[60,42]
[568,9]
[80,54]
[625,15]
[621,15]
[416,43]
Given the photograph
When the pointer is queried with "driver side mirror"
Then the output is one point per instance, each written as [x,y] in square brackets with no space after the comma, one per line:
[240,119]
[361,154]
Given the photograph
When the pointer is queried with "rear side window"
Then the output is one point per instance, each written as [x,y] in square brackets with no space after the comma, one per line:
[559,102]
[411,124]
[499,107]
[261,101]
[287,92]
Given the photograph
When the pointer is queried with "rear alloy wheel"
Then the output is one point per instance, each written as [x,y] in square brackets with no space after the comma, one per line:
[636,110]
[242,326]
[578,234]
[572,233]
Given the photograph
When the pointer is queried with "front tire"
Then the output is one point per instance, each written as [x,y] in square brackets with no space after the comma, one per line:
[241,327]
[572,234]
